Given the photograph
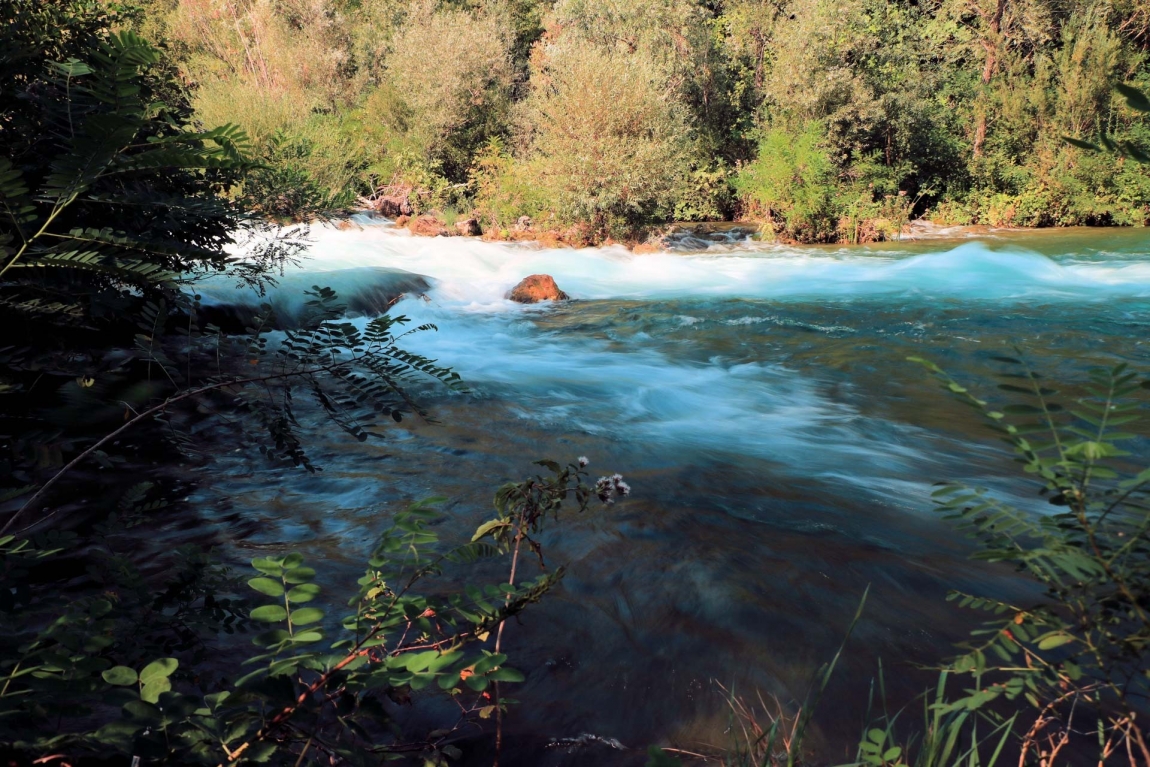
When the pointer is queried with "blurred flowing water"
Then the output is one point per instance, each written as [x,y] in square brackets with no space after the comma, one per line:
[780,447]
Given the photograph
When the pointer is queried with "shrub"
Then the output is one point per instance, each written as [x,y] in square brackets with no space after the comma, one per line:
[125,200]
[448,106]
[120,673]
[792,184]
[285,72]
[607,142]
[1082,652]
[506,189]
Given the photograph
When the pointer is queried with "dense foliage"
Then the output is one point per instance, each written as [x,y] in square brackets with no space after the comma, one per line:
[82,677]
[107,650]
[613,117]
[107,187]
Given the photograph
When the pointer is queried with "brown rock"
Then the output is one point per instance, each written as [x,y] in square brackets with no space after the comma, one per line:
[427,226]
[523,224]
[402,220]
[650,246]
[392,202]
[536,288]
[468,227]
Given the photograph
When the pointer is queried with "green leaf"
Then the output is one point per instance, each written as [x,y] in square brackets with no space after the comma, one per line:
[299,575]
[158,669]
[305,615]
[267,586]
[121,676]
[269,638]
[143,711]
[487,528]
[305,592]
[260,752]
[306,637]
[269,613]
[417,662]
[267,566]
[151,691]
[505,674]
[1054,640]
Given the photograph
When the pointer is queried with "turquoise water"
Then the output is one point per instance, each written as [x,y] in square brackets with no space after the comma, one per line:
[780,448]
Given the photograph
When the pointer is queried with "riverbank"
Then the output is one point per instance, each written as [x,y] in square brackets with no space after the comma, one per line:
[701,235]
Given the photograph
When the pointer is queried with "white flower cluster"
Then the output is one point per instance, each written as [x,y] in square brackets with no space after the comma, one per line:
[608,487]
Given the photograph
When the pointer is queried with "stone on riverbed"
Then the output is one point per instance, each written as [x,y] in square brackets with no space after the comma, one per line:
[536,288]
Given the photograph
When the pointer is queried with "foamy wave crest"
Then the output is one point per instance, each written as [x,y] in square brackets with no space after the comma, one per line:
[477,275]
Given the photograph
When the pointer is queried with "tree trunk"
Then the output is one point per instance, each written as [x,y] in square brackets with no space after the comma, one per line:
[990,44]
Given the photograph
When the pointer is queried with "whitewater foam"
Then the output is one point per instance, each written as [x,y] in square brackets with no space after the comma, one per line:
[628,388]
[476,275]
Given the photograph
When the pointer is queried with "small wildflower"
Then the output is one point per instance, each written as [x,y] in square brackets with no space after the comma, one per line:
[604,489]
[583,461]
[608,487]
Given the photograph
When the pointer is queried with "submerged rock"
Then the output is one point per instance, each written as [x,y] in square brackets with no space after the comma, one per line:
[365,291]
[536,288]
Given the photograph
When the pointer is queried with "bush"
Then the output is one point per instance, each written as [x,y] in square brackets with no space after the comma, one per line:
[286,73]
[125,201]
[1082,652]
[506,189]
[447,106]
[792,184]
[606,141]
[122,672]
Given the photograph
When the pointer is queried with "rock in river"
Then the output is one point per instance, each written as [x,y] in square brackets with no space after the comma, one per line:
[536,288]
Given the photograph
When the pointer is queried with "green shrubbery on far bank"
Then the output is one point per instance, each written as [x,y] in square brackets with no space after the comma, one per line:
[824,121]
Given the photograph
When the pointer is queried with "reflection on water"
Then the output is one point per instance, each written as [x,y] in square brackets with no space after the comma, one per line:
[780,447]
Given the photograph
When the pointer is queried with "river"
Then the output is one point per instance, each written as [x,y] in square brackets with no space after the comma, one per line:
[780,448]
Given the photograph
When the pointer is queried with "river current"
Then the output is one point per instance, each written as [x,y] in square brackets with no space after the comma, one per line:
[780,448]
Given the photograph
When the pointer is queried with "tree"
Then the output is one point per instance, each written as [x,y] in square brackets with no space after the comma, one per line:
[109,190]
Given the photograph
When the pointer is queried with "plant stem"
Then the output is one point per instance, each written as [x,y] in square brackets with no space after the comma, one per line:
[499,641]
